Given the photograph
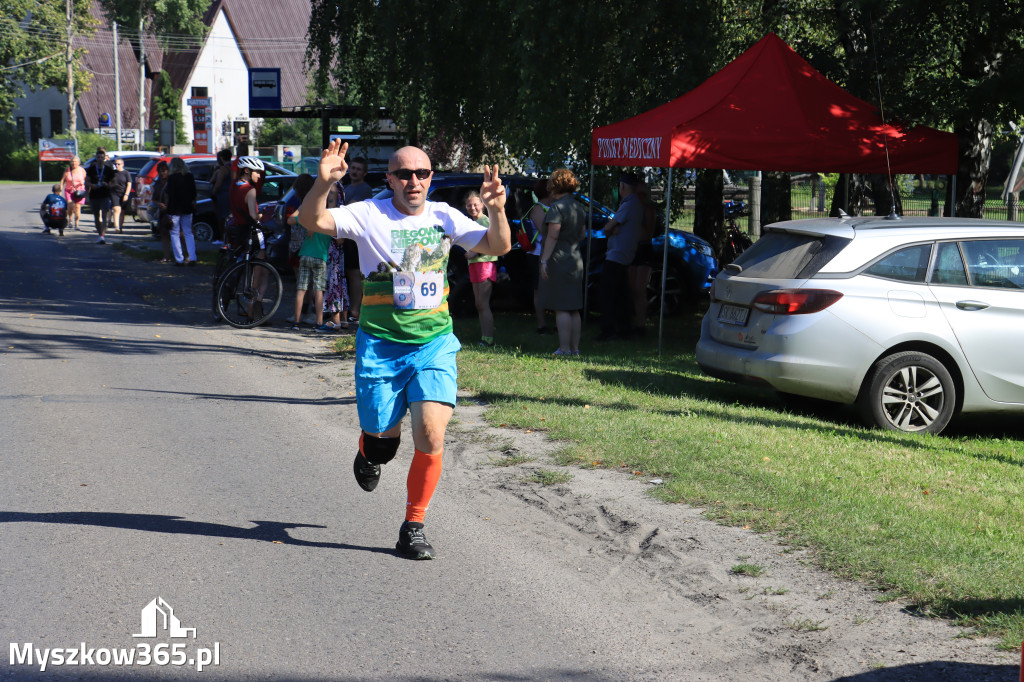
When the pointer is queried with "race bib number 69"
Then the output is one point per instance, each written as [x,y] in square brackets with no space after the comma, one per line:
[418,290]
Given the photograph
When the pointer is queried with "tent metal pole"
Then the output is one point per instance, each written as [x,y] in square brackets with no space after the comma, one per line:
[590,235]
[664,261]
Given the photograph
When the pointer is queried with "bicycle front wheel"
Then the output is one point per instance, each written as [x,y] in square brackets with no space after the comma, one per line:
[249,294]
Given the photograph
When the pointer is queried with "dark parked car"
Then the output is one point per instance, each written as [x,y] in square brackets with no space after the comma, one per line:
[204,221]
[133,163]
[691,263]
[200,165]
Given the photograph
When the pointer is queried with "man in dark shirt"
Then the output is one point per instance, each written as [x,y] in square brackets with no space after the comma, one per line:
[97,183]
[120,190]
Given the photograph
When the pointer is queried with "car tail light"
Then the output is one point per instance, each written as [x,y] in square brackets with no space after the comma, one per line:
[795,301]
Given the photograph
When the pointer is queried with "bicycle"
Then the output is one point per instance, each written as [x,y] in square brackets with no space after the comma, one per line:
[736,241]
[246,291]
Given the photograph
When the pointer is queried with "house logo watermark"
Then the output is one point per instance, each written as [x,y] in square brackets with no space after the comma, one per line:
[157,621]
[158,615]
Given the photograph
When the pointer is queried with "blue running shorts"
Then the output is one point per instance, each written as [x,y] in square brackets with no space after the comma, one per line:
[391,375]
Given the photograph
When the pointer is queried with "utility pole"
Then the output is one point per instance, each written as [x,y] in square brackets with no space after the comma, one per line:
[69,63]
[142,78]
[117,90]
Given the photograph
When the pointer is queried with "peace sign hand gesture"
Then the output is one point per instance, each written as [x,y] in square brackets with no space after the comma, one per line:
[332,161]
[492,192]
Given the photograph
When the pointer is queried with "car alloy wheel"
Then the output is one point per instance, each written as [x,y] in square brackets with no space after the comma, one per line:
[908,391]
[202,231]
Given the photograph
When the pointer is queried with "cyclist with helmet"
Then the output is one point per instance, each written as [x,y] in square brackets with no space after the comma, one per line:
[245,211]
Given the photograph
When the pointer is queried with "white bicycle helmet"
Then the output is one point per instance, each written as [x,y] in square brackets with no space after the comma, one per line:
[250,162]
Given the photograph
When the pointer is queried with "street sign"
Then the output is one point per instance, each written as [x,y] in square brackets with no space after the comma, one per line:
[265,89]
[57,150]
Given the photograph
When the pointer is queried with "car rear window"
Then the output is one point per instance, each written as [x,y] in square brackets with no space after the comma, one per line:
[134,163]
[784,255]
[148,167]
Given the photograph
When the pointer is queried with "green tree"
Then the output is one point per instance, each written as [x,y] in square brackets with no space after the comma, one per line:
[303,131]
[167,105]
[526,79]
[33,41]
[157,18]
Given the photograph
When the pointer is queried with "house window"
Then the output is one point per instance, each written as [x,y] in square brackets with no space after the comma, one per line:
[56,122]
[20,125]
[35,127]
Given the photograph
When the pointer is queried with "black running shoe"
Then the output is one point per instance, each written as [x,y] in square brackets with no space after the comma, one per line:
[367,473]
[413,543]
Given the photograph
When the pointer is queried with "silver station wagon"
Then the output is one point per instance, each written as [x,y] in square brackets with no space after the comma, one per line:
[912,319]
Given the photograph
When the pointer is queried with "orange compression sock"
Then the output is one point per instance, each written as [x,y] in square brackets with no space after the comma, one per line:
[423,476]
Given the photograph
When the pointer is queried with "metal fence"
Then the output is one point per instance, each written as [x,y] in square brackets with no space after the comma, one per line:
[920,196]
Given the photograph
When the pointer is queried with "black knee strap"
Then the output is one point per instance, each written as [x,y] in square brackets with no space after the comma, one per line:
[379,450]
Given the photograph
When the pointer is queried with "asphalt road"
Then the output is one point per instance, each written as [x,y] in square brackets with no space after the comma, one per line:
[183,491]
[148,453]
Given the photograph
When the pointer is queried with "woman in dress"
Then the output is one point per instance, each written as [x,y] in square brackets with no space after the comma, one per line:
[561,265]
[336,301]
[74,182]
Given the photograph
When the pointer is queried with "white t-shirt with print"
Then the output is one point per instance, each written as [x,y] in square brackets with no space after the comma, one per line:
[382,232]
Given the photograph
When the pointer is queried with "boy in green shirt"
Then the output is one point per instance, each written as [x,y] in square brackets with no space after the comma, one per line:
[312,274]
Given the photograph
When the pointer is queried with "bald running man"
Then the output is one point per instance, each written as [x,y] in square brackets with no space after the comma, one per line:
[405,348]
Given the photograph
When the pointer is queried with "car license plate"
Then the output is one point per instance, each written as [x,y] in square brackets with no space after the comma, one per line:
[733,314]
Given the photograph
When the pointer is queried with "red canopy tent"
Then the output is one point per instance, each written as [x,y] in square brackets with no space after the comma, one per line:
[771,110]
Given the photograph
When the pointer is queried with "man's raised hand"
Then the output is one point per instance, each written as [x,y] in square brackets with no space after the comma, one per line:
[492,192]
[332,161]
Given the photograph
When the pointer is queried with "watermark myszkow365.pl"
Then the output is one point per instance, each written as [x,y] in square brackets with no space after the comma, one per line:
[157,619]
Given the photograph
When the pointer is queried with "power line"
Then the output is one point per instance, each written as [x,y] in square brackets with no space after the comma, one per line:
[34,61]
[168,41]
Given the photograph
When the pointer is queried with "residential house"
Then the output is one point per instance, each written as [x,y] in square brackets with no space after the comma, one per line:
[243,34]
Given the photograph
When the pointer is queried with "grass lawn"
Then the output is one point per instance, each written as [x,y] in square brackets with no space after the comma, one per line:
[936,521]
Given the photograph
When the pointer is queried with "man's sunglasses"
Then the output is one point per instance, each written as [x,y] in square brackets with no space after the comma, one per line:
[405,174]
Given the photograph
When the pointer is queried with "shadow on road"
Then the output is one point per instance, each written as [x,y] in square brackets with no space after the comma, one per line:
[265,531]
[276,399]
[57,345]
[947,671]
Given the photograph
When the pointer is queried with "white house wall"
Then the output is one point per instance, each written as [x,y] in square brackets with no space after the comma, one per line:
[221,69]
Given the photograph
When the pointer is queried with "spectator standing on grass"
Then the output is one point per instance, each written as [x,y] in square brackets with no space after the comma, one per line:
[120,191]
[72,185]
[97,183]
[336,301]
[180,197]
[534,218]
[312,276]
[561,265]
[639,273]
[405,348]
[623,232]
[158,210]
[483,273]
[357,190]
